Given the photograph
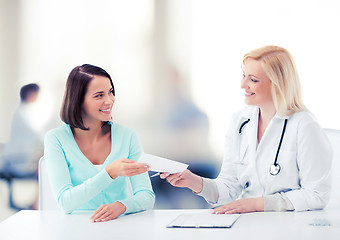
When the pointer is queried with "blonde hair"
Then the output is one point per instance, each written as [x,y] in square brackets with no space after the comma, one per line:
[279,66]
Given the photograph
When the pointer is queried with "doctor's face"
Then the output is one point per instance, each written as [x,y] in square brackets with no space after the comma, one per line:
[256,84]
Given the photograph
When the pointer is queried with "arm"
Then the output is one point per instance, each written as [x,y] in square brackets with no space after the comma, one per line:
[143,197]
[314,159]
[69,197]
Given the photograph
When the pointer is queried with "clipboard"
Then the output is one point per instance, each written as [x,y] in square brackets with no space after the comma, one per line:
[204,220]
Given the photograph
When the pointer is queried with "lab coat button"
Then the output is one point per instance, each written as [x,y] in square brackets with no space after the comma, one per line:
[246,185]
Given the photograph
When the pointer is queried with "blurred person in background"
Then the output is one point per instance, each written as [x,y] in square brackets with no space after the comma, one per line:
[277,157]
[92,162]
[25,146]
[184,130]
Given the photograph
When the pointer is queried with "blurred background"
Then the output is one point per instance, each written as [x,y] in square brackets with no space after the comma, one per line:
[175,65]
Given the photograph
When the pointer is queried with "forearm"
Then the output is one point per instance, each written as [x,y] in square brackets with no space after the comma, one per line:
[140,201]
[209,191]
[278,203]
[71,197]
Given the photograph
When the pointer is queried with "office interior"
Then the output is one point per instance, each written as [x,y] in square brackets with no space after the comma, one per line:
[176,66]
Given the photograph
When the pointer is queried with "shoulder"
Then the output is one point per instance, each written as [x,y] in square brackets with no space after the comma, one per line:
[58,132]
[119,130]
[303,118]
[243,115]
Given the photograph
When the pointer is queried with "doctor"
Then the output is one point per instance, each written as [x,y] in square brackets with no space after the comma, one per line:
[276,156]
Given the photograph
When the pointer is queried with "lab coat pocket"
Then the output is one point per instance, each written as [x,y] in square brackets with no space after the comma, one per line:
[287,178]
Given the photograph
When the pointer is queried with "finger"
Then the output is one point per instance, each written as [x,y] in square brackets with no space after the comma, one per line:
[134,172]
[97,213]
[171,177]
[126,160]
[175,181]
[164,175]
[222,209]
[103,216]
[136,166]
[233,211]
[108,218]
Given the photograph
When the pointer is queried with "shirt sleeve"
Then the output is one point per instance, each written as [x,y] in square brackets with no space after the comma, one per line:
[69,197]
[143,197]
[209,191]
[314,159]
[277,202]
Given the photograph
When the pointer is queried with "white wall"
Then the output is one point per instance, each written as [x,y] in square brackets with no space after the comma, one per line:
[136,40]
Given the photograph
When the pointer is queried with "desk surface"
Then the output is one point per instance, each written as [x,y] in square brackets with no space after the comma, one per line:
[151,225]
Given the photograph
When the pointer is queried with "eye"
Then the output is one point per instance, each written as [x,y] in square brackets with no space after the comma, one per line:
[111,91]
[98,95]
[243,75]
[253,80]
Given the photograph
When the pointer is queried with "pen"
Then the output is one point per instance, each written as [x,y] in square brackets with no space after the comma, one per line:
[156,174]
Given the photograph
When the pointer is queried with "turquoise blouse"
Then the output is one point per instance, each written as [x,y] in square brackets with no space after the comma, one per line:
[78,185]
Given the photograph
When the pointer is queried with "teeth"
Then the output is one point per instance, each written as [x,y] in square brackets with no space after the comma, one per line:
[107,110]
[249,94]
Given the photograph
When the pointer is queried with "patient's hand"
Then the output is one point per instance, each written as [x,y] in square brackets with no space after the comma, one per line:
[108,212]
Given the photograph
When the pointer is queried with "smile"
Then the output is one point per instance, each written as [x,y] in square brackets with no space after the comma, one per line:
[105,110]
[249,94]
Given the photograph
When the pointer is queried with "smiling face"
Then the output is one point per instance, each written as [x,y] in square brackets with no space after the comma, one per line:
[98,101]
[256,84]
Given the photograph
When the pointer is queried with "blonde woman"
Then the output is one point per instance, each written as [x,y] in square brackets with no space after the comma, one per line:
[276,156]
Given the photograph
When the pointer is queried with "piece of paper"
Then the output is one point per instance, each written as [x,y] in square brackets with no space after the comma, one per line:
[159,164]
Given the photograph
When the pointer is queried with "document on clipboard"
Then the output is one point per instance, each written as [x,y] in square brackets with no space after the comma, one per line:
[204,220]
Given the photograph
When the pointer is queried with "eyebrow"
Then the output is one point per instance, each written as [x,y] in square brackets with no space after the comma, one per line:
[254,76]
[101,92]
[97,93]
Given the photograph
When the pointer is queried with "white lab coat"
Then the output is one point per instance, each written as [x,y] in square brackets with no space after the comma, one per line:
[305,158]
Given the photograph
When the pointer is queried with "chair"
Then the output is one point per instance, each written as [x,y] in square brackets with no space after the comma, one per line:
[10,178]
[334,138]
[46,198]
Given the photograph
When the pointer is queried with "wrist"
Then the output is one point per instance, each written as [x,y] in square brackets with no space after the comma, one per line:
[111,174]
[260,204]
[121,207]
[197,184]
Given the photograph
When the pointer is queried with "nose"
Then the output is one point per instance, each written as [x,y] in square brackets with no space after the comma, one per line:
[109,99]
[244,83]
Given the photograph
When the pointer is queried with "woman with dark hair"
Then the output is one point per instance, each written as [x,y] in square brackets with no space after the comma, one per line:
[92,161]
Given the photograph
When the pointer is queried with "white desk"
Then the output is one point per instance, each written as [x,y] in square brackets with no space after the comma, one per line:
[151,225]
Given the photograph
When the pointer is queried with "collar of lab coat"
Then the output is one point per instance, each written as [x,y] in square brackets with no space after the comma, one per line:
[252,112]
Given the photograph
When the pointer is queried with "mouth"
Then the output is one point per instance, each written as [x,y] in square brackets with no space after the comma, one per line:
[108,110]
[249,94]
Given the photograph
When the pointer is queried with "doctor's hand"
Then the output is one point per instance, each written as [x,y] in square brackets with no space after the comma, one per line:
[242,206]
[125,167]
[108,212]
[185,179]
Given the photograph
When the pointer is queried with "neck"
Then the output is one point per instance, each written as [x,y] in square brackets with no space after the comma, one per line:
[267,113]
[95,131]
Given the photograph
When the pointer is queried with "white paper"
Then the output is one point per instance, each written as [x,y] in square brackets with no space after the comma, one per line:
[159,164]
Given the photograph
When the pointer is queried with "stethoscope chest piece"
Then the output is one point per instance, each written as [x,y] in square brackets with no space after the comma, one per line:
[274,169]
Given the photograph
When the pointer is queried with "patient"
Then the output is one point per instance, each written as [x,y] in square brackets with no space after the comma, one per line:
[92,161]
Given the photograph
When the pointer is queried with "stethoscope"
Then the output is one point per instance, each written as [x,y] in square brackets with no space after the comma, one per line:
[275,167]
